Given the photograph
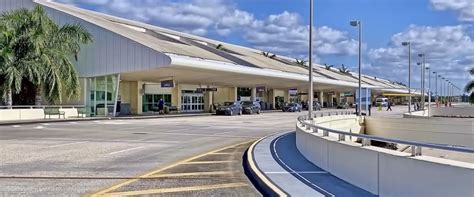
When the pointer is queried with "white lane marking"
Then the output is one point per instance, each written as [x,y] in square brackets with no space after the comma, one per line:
[96,121]
[126,150]
[39,127]
[298,172]
[67,144]
[293,171]
[130,128]
[16,126]
[45,124]
[72,122]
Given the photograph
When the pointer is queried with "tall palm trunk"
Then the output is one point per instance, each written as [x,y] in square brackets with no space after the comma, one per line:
[9,98]
[38,95]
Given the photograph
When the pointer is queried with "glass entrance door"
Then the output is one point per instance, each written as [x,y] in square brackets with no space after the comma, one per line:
[192,102]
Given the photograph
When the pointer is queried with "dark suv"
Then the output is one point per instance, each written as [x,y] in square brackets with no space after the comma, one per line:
[249,107]
[229,108]
[292,107]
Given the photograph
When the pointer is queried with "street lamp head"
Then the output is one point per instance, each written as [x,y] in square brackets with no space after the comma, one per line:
[355,23]
[405,43]
[421,55]
[419,64]
[427,68]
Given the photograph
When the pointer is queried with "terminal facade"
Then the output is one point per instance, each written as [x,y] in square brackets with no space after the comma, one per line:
[130,66]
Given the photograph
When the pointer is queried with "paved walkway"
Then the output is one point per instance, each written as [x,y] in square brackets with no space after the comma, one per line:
[279,160]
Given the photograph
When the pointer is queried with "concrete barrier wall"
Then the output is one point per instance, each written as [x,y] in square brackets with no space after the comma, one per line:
[32,114]
[385,172]
[452,111]
[433,130]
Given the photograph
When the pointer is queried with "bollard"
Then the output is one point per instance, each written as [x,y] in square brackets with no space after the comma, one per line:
[325,133]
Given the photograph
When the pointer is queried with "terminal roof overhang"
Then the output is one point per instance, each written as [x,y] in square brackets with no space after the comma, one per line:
[196,60]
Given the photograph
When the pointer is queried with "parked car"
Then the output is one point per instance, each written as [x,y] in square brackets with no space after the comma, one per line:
[249,107]
[381,102]
[292,107]
[343,106]
[229,108]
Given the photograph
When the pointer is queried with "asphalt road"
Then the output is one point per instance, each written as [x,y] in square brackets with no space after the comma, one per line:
[81,158]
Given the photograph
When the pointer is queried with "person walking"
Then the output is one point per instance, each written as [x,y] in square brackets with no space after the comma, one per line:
[389,105]
[161,106]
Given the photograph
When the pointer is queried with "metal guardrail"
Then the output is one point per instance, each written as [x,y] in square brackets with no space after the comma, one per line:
[41,106]
[416,147]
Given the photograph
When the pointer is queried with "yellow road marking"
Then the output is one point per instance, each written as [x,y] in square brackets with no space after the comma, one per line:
[114,187]
[194,174]
[177,189]
[209,162]
[221,153]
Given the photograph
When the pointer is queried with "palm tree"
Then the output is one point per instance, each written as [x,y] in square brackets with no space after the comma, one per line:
[268,54]
[42,54]
[328,67]
[470,87]
[344,69]
[300,62]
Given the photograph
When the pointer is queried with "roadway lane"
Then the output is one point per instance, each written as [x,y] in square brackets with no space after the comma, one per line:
[80,158]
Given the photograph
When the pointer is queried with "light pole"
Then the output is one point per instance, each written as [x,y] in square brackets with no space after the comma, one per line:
[429,90]
[436,84]
[409,74]
[310,91]
[423,66]
[443,91]
[421,86]
[359,24]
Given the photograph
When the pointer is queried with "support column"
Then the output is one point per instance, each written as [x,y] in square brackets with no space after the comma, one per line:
[272,97]
[208,102]
[321,98]
[254,95]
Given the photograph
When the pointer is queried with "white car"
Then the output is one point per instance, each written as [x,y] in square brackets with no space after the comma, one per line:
[381,102]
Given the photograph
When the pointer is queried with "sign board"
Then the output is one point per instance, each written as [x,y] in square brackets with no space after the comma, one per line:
[302,93]
[206,89]
[366,98]
[167,84]
[293,92]
[261,89]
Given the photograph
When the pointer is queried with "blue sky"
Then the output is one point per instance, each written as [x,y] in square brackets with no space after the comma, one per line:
[443,29]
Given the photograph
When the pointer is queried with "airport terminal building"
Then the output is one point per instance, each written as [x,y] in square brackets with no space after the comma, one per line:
[136,64]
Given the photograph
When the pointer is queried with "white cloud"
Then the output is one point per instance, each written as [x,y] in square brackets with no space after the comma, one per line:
[448,50]
[465,7]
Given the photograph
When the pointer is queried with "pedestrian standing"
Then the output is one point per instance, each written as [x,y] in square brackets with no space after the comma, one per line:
[389,105]
[161,106]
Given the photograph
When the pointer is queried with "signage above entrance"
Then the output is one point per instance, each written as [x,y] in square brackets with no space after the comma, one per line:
[260,89]
[167,84]
[206,89]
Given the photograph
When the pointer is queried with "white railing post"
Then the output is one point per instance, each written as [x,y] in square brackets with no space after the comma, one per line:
[365,142]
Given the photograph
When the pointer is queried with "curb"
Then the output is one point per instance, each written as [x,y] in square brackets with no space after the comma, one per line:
[262,182]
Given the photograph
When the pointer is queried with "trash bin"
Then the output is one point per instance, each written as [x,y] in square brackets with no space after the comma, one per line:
[166,110]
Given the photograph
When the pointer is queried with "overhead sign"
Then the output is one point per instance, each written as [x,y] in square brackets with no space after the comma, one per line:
[167,84]
[206,89]
[261,89]
[293,92]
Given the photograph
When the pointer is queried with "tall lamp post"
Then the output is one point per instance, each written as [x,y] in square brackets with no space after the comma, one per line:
[359,24]
[421,85]
[436,84]
[429,90]
[423,66]
[409,74]
[310,91]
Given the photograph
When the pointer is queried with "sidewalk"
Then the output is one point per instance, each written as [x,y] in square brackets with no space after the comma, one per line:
[37,121]
[281,164]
